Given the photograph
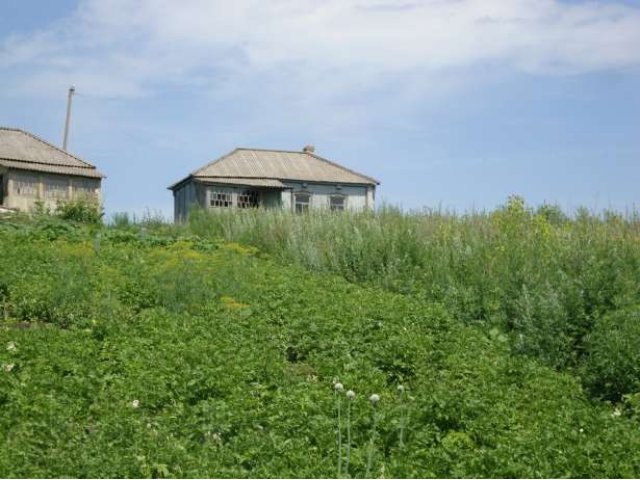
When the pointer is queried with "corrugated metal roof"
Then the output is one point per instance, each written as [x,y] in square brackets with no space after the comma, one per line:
[251,182]
[41,167]
[280,165]
[23,150]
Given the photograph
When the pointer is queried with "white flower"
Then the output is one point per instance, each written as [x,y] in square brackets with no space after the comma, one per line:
[351,394]
[616,413]
[7,367]
[401,388]
[135,404]
[375,398]
[581,430]
[11,347]
[339,387]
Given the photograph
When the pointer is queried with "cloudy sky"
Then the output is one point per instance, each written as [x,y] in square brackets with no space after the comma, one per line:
[449,103]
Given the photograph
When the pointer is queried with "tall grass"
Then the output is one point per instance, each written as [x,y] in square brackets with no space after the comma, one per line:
[170,356]
[537,274]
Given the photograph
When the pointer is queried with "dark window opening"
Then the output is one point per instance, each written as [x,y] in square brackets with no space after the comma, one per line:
[336,202]
[1,189]
[302,201]
[248,199]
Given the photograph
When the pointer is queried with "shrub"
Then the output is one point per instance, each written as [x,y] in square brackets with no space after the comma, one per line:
[612,367]
[81,210]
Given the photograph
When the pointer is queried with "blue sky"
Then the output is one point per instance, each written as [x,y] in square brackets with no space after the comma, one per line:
[449,103]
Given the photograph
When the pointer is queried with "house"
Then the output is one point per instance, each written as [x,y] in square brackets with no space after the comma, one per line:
[293,180]
[33,170]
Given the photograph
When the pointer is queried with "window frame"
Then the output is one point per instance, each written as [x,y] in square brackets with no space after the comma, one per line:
[342,198]
[216,195]
[248,198]
[304,206]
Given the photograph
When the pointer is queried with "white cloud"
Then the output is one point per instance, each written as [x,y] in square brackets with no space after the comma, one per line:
[323,49]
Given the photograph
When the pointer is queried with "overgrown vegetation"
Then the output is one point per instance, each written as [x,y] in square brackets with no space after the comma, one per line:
[542,278]
[81,210]
[148,350]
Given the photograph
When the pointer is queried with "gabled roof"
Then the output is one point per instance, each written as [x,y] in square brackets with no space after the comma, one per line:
[24,151]
[254,163]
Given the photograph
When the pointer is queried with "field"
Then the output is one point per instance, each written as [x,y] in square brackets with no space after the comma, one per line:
[212,349]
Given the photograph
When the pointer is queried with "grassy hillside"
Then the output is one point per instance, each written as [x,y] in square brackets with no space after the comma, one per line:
[129,352]
[557,286]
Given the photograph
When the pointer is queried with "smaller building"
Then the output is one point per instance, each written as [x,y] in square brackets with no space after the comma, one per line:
[292,180]
[33,171]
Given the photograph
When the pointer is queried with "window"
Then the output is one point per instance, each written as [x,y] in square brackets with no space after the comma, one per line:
[25,185]
[56,188]
[302,201]
[220,199]
[248,199]
[336,202]
[84,188]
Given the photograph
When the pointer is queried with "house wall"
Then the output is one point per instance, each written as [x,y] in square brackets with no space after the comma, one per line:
[286,199]
[267,198]
[183,198]
[357,198]
[4,184]
[271,198]
[22,189]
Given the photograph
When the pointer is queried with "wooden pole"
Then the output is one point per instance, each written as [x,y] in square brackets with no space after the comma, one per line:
[72,90]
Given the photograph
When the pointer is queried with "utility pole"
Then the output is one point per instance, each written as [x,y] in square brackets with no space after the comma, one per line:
[72,90]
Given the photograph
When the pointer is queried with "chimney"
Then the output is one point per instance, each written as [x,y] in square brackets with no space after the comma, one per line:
[309,149]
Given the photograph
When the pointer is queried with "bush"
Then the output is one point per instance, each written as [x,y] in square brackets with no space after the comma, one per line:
[81,210]
[612,367]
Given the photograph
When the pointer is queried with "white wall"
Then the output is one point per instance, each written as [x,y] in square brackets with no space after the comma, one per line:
[14,199]
[356,197]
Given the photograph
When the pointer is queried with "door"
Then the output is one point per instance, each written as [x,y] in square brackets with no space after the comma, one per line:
[1,190]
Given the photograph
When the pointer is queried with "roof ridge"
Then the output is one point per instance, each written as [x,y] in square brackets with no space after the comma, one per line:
[36,137]
[238,176]
[272,150]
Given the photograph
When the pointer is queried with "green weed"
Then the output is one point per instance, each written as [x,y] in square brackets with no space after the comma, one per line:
[173,353]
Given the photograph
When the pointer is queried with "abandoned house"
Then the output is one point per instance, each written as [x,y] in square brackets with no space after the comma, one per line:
[33,171]
[293,180]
